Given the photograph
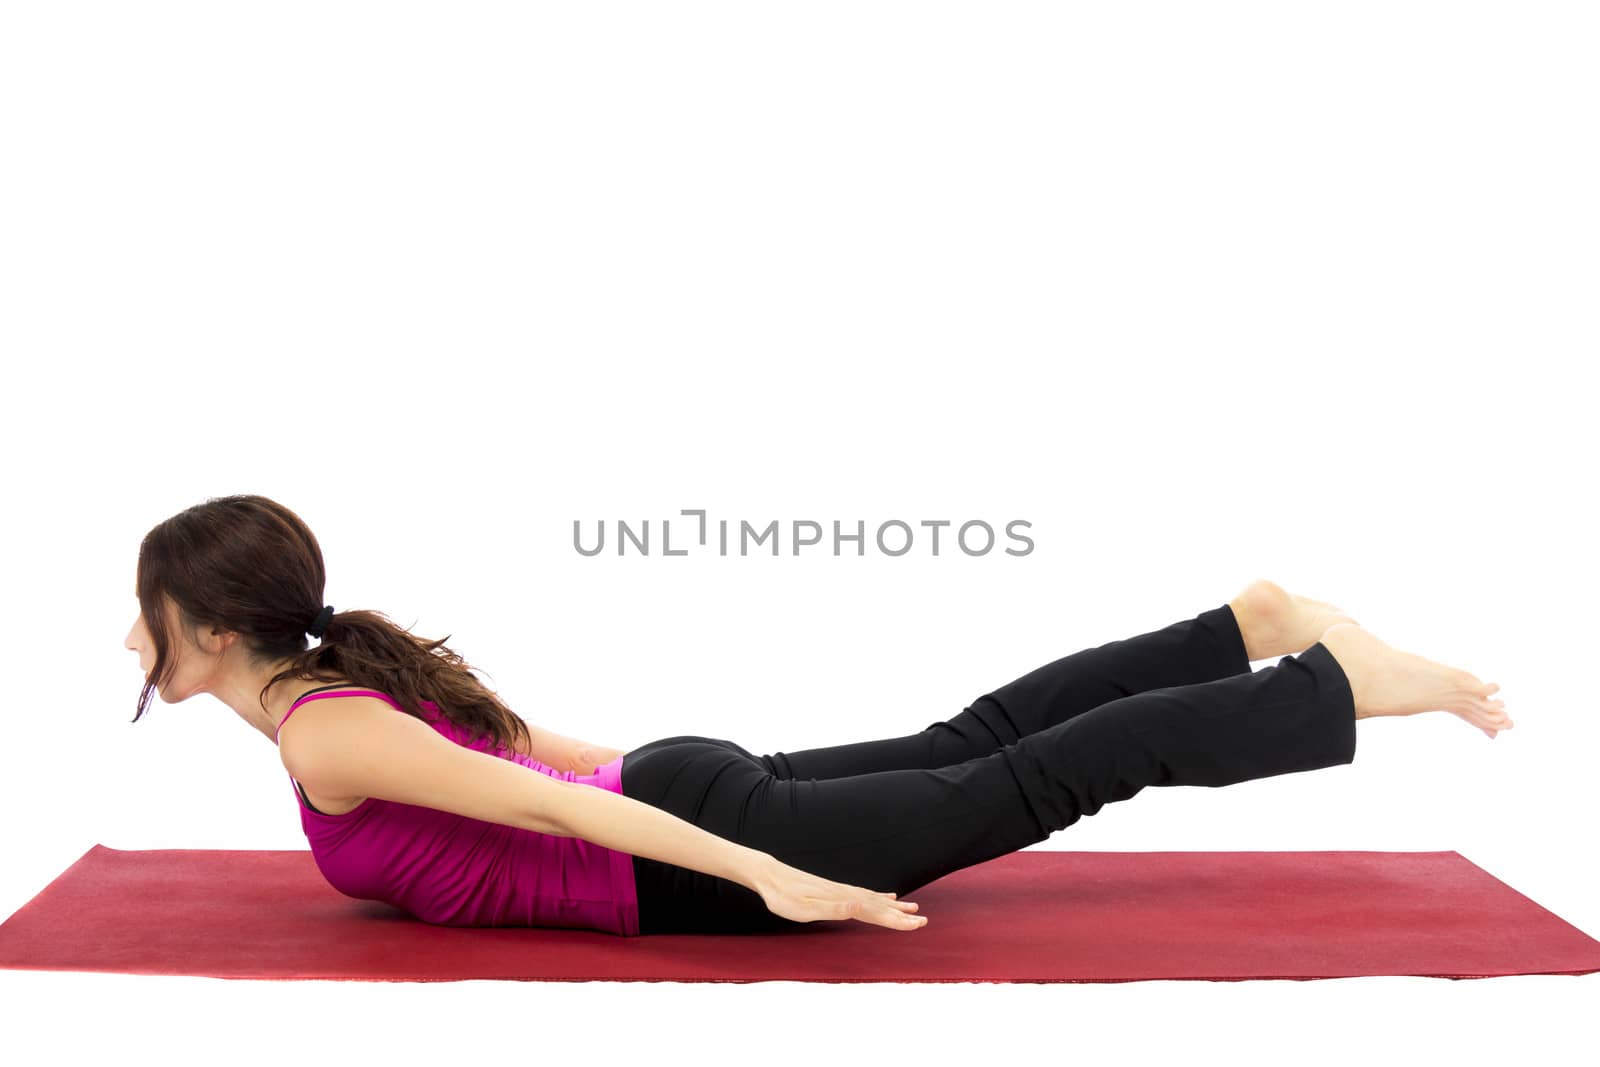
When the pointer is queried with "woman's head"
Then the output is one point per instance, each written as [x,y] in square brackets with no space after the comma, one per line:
[240,565]
[242,576]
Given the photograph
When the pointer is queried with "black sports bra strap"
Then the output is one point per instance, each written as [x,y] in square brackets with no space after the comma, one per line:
[336,685]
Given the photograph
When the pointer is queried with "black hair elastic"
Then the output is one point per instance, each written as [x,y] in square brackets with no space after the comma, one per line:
[320,623]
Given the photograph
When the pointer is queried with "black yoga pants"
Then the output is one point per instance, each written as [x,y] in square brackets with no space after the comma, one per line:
[1176,706]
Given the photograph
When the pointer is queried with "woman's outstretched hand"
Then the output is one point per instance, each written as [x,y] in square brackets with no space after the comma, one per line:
[794,894]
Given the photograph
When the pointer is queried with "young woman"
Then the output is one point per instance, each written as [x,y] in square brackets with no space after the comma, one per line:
[418,787]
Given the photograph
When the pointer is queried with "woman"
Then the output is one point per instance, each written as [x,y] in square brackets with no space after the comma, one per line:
[415,789]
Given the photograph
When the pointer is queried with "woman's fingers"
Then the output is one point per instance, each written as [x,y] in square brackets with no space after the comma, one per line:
[898,915]
[804,897]
[895,914]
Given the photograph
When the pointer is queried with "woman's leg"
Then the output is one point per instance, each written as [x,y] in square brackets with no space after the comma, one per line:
[1202,649]
[897,830]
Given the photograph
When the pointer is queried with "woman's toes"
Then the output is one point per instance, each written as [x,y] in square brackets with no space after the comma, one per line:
[1494,713]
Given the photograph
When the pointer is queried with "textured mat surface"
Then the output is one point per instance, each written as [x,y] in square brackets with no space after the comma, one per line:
[1027,917]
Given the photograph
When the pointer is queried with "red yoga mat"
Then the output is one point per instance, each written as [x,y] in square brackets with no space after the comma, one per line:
[1030,916]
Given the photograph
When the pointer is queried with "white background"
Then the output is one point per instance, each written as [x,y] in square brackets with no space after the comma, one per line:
[1203,292]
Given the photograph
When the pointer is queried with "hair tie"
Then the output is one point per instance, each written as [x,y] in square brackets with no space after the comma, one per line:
[320,623]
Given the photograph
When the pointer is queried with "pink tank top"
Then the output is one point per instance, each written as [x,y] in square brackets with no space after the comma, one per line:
[451,870]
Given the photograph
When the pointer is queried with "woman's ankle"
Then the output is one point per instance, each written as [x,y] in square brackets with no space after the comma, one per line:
[1342,642]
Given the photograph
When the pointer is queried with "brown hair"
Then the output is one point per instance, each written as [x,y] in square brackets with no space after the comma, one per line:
[248,564]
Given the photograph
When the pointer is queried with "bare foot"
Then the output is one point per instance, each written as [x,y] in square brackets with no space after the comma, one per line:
[1278,623]
[1386,681]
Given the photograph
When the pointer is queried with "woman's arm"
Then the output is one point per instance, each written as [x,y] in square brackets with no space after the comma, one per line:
[619,822]
[364,749]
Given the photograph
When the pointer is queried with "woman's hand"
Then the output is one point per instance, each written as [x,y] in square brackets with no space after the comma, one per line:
[588,758]
[793,894]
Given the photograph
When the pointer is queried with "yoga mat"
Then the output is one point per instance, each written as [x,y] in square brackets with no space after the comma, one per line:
[1031,916]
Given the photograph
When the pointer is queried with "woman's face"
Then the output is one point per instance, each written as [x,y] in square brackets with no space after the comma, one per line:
[139,640]
[183,680]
